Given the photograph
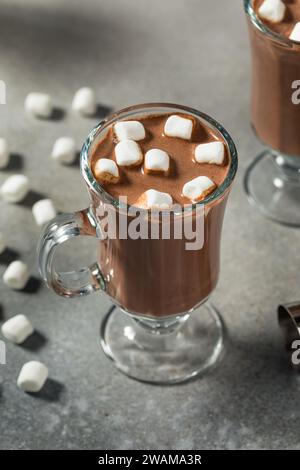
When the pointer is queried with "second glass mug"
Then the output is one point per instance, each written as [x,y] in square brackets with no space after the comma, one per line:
[272,181]
[160,329]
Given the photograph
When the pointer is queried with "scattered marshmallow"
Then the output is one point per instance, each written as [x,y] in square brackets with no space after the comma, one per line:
[198,188]
[157,161]
[128,153]
[177,126]
[129,130]
[4,154]
[16,275]
[272,10]
[213,152]
[15,188]
[17,329]
[295,35]
[106,170]
[43,211]
[39,104]
[153,199]
[84,102]
[2,243]
[64,150]
[33,376]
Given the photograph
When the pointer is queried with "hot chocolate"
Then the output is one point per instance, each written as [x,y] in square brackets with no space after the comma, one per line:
[174,159]
[275,71]
[176,167]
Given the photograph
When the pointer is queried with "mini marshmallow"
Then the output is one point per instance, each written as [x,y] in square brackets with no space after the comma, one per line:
[64,150]
[84,102]
[15,188]
[33,376]
[157,161]
[295,35]
[213,152]
[198,188]
[16,275]
[17,329]
[272,10]
[128,153]
[153,199]
[43,211]
[39,104]
[4,154]
[177,126]
[2,243]
[130,130]
[106,170]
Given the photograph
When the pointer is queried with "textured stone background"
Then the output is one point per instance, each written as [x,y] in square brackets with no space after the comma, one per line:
[193,52]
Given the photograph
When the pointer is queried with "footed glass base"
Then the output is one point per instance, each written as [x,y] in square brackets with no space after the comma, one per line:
[272,184]
[164,351]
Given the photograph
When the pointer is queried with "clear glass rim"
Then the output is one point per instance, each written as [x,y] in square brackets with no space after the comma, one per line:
[264,29]
[146,108]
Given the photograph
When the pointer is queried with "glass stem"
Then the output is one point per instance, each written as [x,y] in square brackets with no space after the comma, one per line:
[289,166]
[157,327]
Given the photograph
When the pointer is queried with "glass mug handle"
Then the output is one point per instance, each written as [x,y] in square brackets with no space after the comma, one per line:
[59,230]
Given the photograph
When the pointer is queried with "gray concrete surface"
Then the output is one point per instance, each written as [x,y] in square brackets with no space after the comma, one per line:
[186,51]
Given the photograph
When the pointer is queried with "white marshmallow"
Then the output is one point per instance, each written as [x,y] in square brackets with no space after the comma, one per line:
[33,376]
[157,160]
[128,153]
[157,199]
[64,150]
[153,199]
[177,126]
[295,35]
[272,10]
[106,170]
[16,275]
[198,188]
[130,130]
[17,329]
[213,152]
[39,104]
[84,101]
[43,211]
[2,243]
[15,188]
[4,154]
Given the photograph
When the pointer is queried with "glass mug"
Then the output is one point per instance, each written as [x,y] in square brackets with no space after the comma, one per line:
[272,181]
[160,330]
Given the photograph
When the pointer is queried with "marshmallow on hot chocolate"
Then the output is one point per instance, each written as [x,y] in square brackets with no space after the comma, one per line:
[272,10]
[177,126]
[130,130]
[213,152]
[15,188]
[16,275]
[64,150]
[4,154]
[33,376]
[156,161]
[17,329]
[106,170]
[128,153]
[295,35]
[153,199]
[39,104]
[198,188]
[84,102]
[43,211]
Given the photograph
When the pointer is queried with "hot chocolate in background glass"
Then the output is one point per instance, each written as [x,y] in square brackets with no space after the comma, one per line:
[273,180]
